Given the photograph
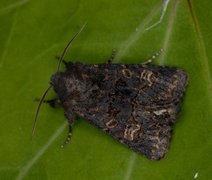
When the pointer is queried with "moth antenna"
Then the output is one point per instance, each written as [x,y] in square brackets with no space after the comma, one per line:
[47,90]
[38,110]
[68,45]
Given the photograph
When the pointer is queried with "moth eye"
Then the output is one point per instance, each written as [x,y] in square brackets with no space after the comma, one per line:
[127,73]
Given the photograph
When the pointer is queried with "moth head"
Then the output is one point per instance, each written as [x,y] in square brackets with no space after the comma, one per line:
[55,79]
[67,84]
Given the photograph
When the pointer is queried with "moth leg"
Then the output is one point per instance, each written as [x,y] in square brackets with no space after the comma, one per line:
[112,56]
[154,56]
[68,137]
[52,102]
[71,118]
[63,61]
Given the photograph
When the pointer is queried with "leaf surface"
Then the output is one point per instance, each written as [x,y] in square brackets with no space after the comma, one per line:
[32,33]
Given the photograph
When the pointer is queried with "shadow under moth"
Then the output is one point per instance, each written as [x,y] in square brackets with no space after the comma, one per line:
[136,104]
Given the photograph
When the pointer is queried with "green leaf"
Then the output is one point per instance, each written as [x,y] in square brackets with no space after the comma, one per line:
[32,33]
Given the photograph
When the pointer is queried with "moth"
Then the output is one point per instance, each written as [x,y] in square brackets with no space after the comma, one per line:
[136,104]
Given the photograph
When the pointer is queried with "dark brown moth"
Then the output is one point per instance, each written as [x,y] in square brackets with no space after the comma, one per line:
[136,104]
